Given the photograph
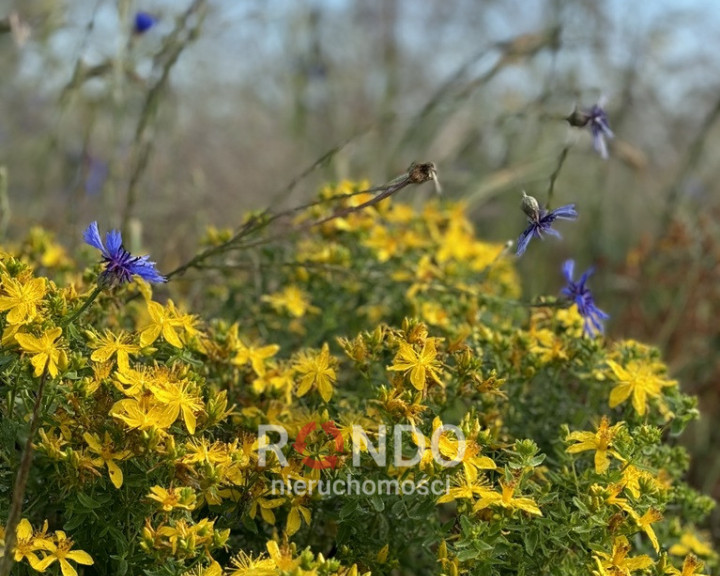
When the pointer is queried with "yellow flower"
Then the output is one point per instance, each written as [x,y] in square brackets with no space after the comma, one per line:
[183,498]
[141,414]
[245,565]
[183,537]
[468,450]
[214,569]
[283,558]
[691,567]
[645,521]
[690,543]
[383,242]
[52,444]
[177,399]
[107,456]
[316,369]
[60,551]
[618,562]
[632,477]
[571,320]
[27,544]
[422,365]
[639,380]
[600,441]
[507,500]
[201,451]
[256,356]
[160,323]
[114,344]
[291,299]
[188,322]
[547,346]
[46,354]
[22,299]
[266,507]
[137,381]
[8,336]
[467,487]
[434,314]
[611,496]
[297,513]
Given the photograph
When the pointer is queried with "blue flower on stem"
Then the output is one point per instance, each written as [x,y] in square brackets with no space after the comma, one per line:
[143,22]
[597,119]
[120,265]
[579,294]
[600,129]
[540,220]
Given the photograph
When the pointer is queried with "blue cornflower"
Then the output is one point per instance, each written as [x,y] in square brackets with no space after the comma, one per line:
[120,265]
[143,22]
[540,220]
[597,119]
[581,296]
[600,129]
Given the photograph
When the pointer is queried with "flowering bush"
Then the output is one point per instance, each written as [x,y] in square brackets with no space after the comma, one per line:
[144,418]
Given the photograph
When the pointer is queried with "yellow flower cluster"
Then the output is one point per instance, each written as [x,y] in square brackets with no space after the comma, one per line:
[42,550]
[381,317]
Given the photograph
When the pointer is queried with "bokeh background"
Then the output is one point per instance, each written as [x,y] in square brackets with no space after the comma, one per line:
[226,106]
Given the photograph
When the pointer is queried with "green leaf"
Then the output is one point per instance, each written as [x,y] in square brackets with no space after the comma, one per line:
[88,502]
[377,503]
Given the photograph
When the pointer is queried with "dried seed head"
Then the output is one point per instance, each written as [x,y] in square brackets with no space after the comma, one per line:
[531,207]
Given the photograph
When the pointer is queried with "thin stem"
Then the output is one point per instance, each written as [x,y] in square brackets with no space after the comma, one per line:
[143,145]
[90,299]
[416,174]
[555,174]
[21,483]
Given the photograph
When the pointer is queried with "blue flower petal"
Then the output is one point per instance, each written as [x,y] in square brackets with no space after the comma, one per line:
[524,240]
[92,237]
[553,232]
[585,276]
[568,270]
[120,265]
[566,212]
[114,242]
[581,296]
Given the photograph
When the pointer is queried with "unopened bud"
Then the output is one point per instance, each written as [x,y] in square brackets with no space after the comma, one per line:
[531,207]
[578,118]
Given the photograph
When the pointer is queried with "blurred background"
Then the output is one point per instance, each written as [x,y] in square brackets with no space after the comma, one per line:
[199,110]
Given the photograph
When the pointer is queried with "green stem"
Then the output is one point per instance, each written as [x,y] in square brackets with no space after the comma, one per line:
[555,174]
[90,299]
[21,483]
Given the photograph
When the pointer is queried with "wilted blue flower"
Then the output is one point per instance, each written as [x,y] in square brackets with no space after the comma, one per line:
[120,265]
[143,22]
[581,296]
[597,119]
[541,221]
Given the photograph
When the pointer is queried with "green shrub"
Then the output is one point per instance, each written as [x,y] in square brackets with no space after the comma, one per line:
[147,453]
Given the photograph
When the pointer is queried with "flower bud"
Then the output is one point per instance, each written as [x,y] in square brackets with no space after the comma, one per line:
[578,118]
[531,207]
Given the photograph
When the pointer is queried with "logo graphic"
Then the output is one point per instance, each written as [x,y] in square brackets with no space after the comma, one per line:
[319,461]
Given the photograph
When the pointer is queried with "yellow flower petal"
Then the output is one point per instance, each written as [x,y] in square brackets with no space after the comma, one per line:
[116,475]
